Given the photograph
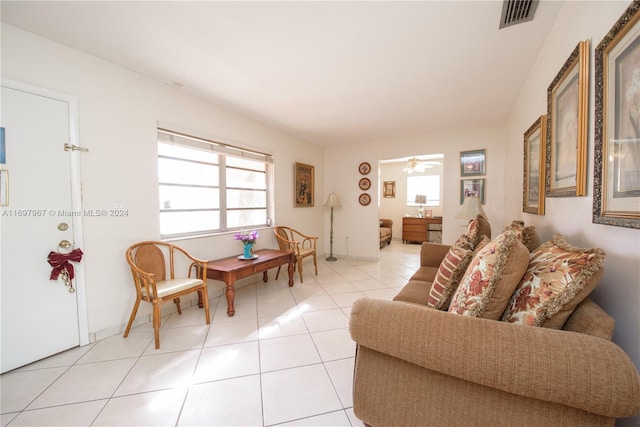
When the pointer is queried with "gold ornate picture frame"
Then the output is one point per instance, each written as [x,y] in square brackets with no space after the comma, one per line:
[389,189]
[567,126]
[616,181]
[533,185]
[304,185]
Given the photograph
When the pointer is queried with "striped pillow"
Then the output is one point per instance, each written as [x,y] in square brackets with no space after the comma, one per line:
[451,269]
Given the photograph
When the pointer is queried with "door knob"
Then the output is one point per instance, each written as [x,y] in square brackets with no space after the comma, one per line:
[64,244]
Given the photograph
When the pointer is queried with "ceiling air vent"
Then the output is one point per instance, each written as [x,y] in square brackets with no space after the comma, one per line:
[517,11]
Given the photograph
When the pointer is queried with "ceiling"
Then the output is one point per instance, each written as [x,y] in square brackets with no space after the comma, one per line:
[328,72]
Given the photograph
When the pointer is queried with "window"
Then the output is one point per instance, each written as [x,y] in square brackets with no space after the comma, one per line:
[207,187]
[428,185]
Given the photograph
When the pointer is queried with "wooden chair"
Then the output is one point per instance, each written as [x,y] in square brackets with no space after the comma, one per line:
[302,246]
[148,266]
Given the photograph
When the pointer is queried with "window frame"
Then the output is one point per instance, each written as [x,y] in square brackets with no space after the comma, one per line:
[223,151]
[412,203]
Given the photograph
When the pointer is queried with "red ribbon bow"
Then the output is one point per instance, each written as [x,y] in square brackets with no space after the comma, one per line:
[60,262]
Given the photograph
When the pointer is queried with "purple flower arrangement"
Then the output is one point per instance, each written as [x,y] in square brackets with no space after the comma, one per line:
[247,238]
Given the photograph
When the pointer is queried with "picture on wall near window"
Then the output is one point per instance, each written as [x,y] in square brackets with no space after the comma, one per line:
[389,189]
[472,163]
[567,117]
[616,181]
[534,166]
[472,188]
[304,185]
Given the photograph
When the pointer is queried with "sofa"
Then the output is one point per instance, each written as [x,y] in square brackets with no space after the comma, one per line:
[417,365]
[386,232]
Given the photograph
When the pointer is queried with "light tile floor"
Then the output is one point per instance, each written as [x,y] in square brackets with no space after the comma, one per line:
[286,358]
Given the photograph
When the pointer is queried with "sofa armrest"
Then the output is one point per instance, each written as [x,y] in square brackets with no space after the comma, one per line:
[572,369]
[387,223]
[432,254]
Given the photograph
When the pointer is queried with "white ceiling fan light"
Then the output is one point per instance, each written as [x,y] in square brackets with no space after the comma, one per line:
[416,165]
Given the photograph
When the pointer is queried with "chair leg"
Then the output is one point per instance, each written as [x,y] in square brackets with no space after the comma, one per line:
[132,317]
[278,272]
[156,323]
[315,262]
[205,302]
[177,301]
[300,270]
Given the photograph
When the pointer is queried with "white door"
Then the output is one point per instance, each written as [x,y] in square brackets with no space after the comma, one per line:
[40,317]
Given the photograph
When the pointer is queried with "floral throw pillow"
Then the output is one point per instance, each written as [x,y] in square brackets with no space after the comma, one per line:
[527,234]
[491,278]
[449,273]
[558,278]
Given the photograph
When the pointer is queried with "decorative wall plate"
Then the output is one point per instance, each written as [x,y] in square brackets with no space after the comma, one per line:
[364,184]
[364,199]
[364,168]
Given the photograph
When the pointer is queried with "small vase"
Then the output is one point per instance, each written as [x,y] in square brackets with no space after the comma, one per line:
[248,250]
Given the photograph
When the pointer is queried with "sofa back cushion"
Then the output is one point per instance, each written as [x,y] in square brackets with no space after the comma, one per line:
[491,278]
[558,278]
[589,318]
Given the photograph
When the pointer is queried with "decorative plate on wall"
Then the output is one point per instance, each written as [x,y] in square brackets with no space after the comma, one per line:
[364,184]
[364,199]
[364,168]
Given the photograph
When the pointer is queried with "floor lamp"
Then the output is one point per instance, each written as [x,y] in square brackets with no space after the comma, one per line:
[332,202]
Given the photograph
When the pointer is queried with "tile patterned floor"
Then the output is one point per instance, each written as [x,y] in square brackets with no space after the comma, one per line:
[286,358]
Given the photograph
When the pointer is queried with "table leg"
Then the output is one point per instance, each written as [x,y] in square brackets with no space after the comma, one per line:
[230,293]
[265,276]
[291,264]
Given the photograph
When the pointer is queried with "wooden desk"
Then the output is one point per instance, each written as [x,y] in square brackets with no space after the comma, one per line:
[231,269]
[417,229]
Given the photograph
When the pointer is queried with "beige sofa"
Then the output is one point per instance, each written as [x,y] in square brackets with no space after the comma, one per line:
[418,366]
[386,232]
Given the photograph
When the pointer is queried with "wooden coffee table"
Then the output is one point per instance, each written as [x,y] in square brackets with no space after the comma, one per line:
[232,268]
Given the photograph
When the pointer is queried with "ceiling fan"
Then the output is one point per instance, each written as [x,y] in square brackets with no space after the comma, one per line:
[416,165]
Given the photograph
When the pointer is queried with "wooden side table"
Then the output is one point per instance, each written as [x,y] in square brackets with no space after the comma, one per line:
[231,269]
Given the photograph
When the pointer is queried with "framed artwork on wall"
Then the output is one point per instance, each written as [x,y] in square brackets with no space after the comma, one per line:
[364,168]
[472,163]
[533,186]
[389,189]
[472,188]
[304,185]
[567,120]
[616,181]
[364,184]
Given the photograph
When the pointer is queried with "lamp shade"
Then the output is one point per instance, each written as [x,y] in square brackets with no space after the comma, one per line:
[470,208]
[421,199]
[332,201]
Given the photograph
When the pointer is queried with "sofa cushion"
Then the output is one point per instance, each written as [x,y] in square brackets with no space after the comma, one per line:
[558,278]
[527,234]
[425,274]
[449,273]
[491,278]
[589,318]
[416,291]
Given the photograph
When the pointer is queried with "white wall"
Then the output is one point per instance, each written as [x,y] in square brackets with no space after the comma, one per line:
[619,291]
[119,111]
[360,223]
